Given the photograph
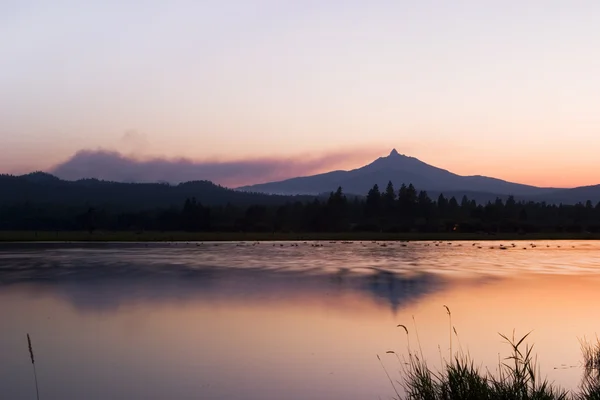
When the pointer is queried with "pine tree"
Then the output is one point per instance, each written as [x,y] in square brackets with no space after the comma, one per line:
[373,201]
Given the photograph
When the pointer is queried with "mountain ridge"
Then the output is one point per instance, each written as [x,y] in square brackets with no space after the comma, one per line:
[399,169]
[44,188]
[41,187]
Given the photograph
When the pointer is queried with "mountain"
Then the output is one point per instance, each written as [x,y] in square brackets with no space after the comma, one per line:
[399,169]
[571,196]
[43,188]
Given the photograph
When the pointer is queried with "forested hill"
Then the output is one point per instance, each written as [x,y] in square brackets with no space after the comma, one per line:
[43,188]
[403,210]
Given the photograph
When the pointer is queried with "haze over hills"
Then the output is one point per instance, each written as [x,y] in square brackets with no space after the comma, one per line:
[114,166]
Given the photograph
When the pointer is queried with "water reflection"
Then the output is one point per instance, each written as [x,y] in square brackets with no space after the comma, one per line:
[110,292]
[100,277]
[263,322]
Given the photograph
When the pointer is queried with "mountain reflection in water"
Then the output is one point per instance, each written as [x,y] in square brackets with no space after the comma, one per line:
[244,321]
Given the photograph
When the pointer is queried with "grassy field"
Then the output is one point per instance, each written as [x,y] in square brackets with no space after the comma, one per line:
[128,236]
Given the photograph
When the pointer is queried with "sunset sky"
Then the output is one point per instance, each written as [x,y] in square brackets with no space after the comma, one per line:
[507,89]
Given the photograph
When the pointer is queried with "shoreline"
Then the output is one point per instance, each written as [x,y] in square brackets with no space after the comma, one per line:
[152,236]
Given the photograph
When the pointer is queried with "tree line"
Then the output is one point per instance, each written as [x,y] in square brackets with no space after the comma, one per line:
[390,210]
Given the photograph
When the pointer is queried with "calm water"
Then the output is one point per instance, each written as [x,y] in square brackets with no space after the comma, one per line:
[280,321]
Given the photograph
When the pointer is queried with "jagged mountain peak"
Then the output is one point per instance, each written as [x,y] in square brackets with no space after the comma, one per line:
[395,161]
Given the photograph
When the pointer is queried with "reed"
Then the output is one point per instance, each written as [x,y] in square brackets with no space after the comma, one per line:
[37,391]
[389,377]
[591,353]
[407,336]
[450,321]
[518,377]
[590,383]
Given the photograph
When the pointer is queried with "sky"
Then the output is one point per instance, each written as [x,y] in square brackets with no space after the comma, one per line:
[506,89]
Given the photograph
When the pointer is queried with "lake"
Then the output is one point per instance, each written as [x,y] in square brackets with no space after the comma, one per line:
[293,320]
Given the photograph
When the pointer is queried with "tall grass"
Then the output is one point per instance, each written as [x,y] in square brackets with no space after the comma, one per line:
[591,363]
[591,354]
[450,331]
[37,391]
[518,376]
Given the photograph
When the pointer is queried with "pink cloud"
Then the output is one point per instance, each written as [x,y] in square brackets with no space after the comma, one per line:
[112,165]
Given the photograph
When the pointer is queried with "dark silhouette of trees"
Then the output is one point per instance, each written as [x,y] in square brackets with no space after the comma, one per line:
[389,198]
[404,210]
[373,202]
[194,216]
[336,211]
